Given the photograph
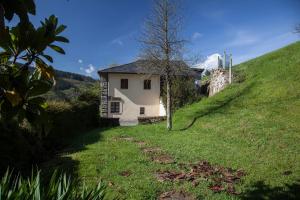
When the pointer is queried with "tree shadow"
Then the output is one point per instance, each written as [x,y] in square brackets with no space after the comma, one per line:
[260,190]
[217,104]
[63,162]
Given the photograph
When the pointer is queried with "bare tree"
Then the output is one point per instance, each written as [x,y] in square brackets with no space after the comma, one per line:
[162,47]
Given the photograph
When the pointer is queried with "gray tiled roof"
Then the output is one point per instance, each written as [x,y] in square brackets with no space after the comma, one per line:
[142,67]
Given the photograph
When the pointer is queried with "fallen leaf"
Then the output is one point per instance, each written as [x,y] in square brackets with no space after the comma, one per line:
[125,173]
[216,188]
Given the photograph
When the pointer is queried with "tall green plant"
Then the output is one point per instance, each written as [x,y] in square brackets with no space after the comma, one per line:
[23,46]
[60,187]
[184,92]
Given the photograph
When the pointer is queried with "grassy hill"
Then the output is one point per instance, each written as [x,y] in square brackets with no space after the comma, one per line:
[69,85]
[253,125]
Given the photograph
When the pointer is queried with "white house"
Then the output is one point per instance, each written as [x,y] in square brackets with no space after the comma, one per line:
[131,91]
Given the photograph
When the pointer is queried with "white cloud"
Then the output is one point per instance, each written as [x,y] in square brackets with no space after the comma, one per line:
[243,38]
[123,39]
[80,61]
[211,62]
[196,35]
[89,70]
[117,41]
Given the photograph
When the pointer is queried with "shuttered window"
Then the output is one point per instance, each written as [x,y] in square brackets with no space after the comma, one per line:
[124,83]
[147,84]
[115,107]
[142,110]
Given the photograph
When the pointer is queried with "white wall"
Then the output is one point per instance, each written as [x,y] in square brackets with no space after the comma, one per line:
[135,96]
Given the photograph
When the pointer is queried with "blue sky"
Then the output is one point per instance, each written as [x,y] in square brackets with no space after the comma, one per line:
[104,32]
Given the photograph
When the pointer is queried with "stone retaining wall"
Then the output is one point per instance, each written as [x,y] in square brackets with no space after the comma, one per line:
[151,120]
[219,80]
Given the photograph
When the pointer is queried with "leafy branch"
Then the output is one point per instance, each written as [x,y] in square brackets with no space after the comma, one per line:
[22,46]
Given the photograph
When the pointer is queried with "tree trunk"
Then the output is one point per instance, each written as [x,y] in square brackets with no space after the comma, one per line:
[169,107]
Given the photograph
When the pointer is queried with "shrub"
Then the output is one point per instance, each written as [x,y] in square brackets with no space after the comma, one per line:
[18,148]
[89,96]
[184,91]
[66,119]
[60,187]
[24,144]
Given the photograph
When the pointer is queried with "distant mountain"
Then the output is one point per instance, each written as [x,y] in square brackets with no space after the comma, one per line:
[69,85]
[70,75]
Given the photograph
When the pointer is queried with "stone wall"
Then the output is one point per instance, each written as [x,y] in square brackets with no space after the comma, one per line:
[219,80]
[151,120]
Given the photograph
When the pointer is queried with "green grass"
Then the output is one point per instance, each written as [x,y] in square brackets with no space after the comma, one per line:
[253,125]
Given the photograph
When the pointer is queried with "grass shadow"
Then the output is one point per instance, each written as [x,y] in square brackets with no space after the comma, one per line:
[218,103]
[260,190]
[63,162]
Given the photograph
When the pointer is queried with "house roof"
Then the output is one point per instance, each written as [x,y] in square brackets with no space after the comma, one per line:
[144,67]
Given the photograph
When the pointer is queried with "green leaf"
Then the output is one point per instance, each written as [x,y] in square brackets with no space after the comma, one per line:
[38,87]
[53,19]
[44,105]
[57,48]
[9,12]
[61,39]
[49,58]
[30,6]
[37,100]
[4,57]
[60,29]
[46,71]
[5,39]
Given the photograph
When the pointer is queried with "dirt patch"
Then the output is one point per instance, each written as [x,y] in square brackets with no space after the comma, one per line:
[163,159]
[110,184]
[216,188]
[140,143]
[130,139]
[125,173]
[151,150]
[174,195]
[125,138]
[170,176]
[222,178]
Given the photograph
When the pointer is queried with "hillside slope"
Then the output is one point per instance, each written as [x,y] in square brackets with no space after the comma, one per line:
[69,85]
[253,125]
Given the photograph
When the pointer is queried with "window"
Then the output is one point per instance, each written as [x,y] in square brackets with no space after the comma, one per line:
[124,83]
[142,110]
[114,107]
[147,84]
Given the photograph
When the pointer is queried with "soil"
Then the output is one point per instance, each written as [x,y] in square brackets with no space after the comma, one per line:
[151,150]
[125,173]
[222,178]
[129,139]
[163,159]
[174,195]
[141,143]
